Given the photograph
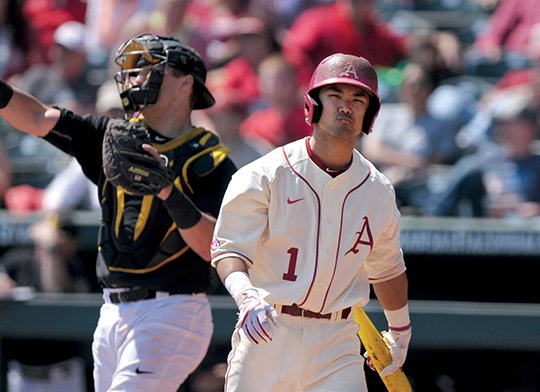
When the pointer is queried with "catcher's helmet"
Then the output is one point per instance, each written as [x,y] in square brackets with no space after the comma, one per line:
[150,49]
[348,69]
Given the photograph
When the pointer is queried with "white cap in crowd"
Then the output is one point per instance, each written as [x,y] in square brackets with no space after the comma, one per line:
[71,35]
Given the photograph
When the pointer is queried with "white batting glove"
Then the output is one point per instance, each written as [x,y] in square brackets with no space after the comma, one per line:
[398,343]
[255,315]
[255,312]
[397,338]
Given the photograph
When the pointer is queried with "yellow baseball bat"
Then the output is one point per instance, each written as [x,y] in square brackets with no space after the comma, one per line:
[379,353]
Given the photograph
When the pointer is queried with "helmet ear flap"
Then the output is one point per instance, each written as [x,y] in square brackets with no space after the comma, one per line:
[312,109]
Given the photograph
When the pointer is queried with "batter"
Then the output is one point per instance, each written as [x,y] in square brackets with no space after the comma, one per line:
[302,234]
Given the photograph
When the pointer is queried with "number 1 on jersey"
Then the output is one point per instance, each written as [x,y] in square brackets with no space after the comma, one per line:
[290,275]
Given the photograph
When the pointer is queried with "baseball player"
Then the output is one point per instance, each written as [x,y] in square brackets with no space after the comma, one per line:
[302,233]
[157,220]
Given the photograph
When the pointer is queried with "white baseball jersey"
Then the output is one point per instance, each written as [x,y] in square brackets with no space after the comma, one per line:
[309,238]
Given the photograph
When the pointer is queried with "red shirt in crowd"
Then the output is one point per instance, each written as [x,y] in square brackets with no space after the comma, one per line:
[323,30]
[44,16]
[510,25]
[236,82]
[273,127]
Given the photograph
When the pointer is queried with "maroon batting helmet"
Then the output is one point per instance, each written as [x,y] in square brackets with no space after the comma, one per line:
[348,69]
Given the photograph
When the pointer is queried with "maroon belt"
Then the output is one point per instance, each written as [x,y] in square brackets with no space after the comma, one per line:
[296,311]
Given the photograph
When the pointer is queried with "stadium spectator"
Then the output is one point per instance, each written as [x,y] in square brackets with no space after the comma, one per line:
[16,39]
[104,21]
[501,178]
[52,264]
[513,183]
[423,50]
[354,27]
[501,45]
[66,78]
[70,189]
[408,140]
[347,26]
[281,14]
[211,18]
[237,80]
[514,82]
[226,117]
[45,16]
[21,199]
[169,18]
[278,117]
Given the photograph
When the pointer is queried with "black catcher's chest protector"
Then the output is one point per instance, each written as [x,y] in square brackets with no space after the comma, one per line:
[137,235]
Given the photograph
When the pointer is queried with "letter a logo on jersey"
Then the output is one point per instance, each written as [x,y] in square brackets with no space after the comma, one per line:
[364,237]
[349,70]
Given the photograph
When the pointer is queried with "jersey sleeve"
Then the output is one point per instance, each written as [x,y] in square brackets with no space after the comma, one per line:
[81,137]
[386,260]
[243,217]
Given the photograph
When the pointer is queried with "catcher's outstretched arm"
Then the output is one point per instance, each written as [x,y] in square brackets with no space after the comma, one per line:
[25,112]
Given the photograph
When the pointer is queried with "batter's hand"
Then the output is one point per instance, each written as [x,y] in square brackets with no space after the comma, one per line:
[254,317]
[398,343]
[369,361]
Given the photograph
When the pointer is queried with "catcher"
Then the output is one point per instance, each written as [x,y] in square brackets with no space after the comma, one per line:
[161,181]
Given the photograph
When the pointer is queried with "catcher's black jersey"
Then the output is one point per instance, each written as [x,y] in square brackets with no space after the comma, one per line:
[139,244]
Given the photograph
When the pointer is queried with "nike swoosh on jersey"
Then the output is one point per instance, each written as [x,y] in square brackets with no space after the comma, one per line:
[139,371]
[289,201]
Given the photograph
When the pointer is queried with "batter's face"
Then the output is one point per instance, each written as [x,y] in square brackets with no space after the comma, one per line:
[344,107]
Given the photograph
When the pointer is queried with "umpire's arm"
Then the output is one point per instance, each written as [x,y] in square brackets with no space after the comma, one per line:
[25,112]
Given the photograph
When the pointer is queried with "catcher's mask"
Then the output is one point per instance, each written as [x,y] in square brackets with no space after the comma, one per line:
[347,69]
[158,52]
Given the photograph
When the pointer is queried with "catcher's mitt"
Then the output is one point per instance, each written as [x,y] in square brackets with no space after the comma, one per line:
[126,164]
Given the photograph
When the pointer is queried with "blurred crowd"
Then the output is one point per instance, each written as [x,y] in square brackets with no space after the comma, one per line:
[457,134]
[459,80]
